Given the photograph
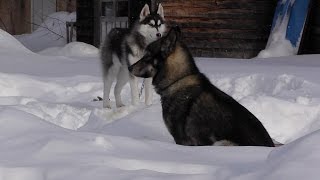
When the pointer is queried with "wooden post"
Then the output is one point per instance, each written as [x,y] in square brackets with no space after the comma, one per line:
[67,27]
[71,32]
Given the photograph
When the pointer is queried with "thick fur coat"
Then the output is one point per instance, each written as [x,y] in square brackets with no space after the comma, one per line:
[124,47]
[194,110]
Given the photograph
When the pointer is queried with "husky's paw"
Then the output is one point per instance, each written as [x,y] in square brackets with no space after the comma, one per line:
[106,104]
[148,103]
[135,101]
[119,105]
[134,104]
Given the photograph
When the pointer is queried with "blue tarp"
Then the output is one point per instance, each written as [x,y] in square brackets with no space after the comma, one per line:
[296,11]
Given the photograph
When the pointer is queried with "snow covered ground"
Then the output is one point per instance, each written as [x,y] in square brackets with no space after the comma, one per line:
[50,129]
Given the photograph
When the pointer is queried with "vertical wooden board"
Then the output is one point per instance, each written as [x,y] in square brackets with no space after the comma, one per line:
[5,16]
[24,19]
[15,16]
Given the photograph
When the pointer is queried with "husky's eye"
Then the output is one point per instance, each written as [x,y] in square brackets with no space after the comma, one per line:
[152,23]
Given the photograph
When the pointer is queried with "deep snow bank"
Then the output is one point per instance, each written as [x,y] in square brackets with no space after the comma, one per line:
[8,42]
[50,129]
[73,49]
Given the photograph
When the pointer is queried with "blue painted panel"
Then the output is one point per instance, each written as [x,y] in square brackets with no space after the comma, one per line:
[297,13]
[297,20]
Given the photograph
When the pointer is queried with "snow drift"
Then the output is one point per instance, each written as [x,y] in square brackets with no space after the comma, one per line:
[52,130]
[73,49]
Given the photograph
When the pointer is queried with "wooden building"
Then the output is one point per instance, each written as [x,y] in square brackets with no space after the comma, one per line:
[24,16]
[211,28]
[222,28]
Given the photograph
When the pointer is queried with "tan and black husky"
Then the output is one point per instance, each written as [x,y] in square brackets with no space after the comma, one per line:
[195,112]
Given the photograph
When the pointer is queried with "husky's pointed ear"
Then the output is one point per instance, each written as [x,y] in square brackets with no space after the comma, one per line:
[160,11]
[144,12]
[170,41]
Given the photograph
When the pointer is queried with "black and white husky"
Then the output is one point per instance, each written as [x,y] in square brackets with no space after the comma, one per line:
[124,47]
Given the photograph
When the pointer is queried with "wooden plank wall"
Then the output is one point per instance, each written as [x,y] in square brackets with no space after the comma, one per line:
[311,43]
[15,16]
[222,28]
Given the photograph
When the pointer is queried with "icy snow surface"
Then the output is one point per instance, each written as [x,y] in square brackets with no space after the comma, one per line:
[52,130]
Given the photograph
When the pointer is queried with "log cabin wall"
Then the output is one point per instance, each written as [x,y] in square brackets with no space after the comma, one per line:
[222,28]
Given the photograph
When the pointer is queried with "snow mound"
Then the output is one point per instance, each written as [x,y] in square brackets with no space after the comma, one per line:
[50,127]
[63,115]
[243,86]
[283,103]
[51,33]
[289,161]
[59,90]
[73,49]
[277,48]
[56,19]
[278,45]
[21,173]
[9,43]
[46,98]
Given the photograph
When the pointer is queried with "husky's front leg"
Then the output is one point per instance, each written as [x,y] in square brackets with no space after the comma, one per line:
[148,91]
[106,91]
[122,79]
[134,90]
[107,82]
[108,78]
